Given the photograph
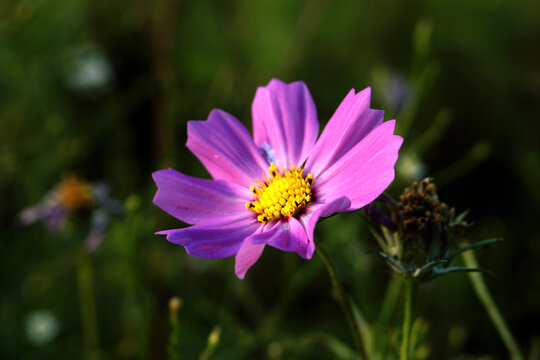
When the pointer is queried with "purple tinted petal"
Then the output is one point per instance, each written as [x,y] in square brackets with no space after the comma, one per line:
[226,149]
[316,211]
[31,214]
[290,236]
[212,242]
[55,218]
[94,240]
[246,257]
[196,201]
[351,122]
[100,221]
[284,117]
[365,171]
[252,248]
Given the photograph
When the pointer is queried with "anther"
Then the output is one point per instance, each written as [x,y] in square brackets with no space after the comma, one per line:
[283,194]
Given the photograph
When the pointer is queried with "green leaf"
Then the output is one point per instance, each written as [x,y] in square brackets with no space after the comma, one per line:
[428,267]
[456,269]
[393,263]
[479,244]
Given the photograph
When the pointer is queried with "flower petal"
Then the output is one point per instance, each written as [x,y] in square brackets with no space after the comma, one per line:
[296,235]
[196,201]
[365,171]
[252,248]
[351,122]
[290,236]
[316,211]
[212,242]
[226,149]
[246,257]
[285,234]
[285,118]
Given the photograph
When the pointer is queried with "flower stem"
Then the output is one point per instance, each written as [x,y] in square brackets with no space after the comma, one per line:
[340,296]
[87,306]
[486,299]
[213,340]
[410,299]
[175,304]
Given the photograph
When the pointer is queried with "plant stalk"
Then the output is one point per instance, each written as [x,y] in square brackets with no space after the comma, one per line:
[87,306]
[343,301]
[482,292]
[175,304]
[410,299]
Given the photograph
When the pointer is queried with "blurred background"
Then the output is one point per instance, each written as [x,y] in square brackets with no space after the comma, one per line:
[103,90]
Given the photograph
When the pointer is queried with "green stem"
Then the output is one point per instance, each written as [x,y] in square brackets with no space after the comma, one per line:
[175,304]
[211,344]
[343,301]
[486,299]
[87,306]
[410,299]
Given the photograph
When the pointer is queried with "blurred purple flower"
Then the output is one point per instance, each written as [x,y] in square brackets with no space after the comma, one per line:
[396,91]
[273,188]
[49,211]
[392,88]
[74,196]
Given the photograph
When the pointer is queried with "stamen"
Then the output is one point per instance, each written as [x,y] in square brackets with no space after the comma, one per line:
[284,194]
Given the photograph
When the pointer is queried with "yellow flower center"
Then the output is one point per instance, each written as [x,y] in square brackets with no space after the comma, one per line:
[284,194]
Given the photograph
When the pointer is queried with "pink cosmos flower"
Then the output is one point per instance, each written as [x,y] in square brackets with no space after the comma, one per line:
[272,188]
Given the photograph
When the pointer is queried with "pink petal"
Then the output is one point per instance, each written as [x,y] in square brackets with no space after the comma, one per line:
[365,171]
[286,234]
[246,257]
[291,237]
[316,211]
[196,201]
[351,122]
[226,149]
[212,241]
[252,248]
[285,119]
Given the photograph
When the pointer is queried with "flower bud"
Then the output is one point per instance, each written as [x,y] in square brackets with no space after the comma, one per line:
[420,231]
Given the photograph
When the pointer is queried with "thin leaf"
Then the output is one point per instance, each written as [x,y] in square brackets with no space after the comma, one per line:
[392,262]
[457,269]
[365,328]
[428,267]
[483,243]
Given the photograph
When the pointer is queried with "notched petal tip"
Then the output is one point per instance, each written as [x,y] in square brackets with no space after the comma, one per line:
[390,123]
[364,92]
[160,174]
[225,147]
[274,82]
[352,121]
[279,83]
[285,117]
[163,232]
[366,170]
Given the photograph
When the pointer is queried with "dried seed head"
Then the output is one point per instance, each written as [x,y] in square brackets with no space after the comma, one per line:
[424,229]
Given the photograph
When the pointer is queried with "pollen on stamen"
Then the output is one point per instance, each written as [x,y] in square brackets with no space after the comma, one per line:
[283,194]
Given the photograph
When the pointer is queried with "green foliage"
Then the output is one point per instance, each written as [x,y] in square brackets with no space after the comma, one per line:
[468,110]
